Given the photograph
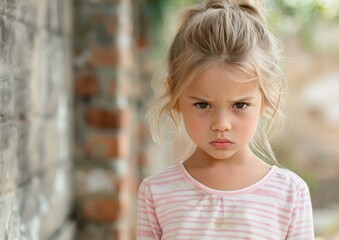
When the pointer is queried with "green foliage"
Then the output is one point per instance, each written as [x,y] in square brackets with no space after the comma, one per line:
[155,10]
[302,17]
[162,15]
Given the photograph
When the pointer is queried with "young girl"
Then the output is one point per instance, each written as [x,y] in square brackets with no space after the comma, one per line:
[224,83]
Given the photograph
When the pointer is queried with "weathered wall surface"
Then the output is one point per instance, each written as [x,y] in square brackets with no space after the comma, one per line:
[35,94]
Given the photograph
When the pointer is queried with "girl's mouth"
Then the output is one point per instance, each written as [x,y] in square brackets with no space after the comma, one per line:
[221,143]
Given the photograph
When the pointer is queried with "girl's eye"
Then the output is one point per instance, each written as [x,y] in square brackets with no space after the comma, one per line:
[240,105]
[202,105]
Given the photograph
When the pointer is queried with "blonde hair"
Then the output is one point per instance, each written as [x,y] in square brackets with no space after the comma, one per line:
[229,32]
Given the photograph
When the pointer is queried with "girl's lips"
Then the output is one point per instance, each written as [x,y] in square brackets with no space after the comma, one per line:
[221,143]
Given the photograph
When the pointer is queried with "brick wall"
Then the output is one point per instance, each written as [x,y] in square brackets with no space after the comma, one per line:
[105,133]
[35,94]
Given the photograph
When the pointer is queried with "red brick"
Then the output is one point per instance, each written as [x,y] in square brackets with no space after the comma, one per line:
[101,209]
[106,147]
[142,159]
[112,88]
[142,42]
[86,85]
[103,56]
[107,119]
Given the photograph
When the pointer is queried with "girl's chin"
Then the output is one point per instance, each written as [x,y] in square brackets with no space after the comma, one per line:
[214,155]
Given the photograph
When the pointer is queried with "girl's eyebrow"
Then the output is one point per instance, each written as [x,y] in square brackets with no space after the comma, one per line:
[243,99]
[195,98]
[199,99]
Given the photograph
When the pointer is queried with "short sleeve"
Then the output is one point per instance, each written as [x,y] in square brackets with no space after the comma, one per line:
[147,223]
[301,226]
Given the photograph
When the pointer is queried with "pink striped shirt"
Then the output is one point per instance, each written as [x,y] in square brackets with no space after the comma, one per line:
[173,205]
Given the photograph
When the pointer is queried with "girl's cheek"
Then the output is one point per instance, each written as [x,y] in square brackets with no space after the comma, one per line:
[191,122]
[248,127]
[196,125]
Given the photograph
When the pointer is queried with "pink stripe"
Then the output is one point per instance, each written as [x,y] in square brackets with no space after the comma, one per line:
[170,209]
[216,231]
[266,205]
[304,227]
[189,196]
[272,194]
[237,221]
[280,187]
[304,222]
[180,179]
[161,177]
[172,192]
[158,230]
[147,222]
[166,217]
[143,198]
[175,236]
[145,233]
[240,201]
[228,208]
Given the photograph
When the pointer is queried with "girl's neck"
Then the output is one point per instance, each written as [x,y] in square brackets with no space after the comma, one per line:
[243,158]
[241,170]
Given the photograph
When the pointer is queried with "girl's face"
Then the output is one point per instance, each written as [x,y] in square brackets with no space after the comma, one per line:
[221,114]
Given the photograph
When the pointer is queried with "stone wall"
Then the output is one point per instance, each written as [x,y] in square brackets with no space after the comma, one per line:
[35,119]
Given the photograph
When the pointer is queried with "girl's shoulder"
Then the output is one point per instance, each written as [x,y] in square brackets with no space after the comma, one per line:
[166,181]
[290,178]
[168,173]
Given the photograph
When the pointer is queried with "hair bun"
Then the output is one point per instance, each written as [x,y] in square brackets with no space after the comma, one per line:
[253,7]
[225,3]
[216,4]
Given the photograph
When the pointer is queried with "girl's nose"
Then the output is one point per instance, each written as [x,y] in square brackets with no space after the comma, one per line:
[221,122]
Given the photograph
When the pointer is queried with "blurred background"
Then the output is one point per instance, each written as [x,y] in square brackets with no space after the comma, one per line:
[75,83]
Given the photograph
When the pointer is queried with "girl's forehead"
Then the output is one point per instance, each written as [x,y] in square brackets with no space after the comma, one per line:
[233,72]
[226,74]
[218,81]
